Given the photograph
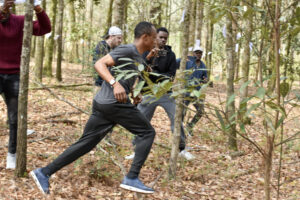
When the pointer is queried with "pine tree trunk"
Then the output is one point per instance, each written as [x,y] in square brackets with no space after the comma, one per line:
[59,39]
[230,108]
[246,59]
[209,42]
[23,92]
[179,100]
[50,41]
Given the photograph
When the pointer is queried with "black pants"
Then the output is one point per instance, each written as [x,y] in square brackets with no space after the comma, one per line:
[9,87]
[102,120]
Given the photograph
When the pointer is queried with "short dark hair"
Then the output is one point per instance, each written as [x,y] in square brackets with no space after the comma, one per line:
[163,29]
[143,28]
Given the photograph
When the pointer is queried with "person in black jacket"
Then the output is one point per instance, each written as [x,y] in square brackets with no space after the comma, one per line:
[162,61]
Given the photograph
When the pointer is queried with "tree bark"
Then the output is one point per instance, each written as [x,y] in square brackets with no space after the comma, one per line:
[230,108]
[199,18]
[50,41]
[109,17]
[23,92]
[179,100]
[155,13]
[192,29]
[59,39]
[246,59]
[74,53]
[39,55]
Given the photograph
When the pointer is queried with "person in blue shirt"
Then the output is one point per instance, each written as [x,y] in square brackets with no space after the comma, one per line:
[196,76]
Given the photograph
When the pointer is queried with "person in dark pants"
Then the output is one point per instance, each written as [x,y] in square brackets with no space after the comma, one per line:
[112,39]
[11,38]
[197,77]
[112,106]
[163,62]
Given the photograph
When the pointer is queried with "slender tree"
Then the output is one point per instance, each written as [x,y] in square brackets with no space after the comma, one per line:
[192,29]
[23,92]
[179,100]
[230,108]
[246,58]
[109,16]
[39,55]
[50,41]
[199,19]
[59,39]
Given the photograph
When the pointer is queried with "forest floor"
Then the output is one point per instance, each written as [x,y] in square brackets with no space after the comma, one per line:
[214,174]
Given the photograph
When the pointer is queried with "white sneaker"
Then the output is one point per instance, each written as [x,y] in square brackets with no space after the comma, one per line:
[29,132]
[130,157]
[11,161]
[186,155]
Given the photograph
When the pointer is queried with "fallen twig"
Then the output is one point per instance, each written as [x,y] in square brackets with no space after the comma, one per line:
[60,86]
[62,99]
[61,114]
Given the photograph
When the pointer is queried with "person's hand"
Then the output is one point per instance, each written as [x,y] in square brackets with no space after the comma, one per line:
[152,53]
[120,93]
[7,4]
[138,99]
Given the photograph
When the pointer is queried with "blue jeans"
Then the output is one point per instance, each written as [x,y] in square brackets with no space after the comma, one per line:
[148,106]
[9,88]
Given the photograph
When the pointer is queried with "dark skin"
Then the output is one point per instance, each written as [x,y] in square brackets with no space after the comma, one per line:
[161,38]
[144,43]
[8,4]
[198,55]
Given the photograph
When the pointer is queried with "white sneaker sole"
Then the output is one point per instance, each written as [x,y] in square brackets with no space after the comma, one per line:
[37,182]
[127,187]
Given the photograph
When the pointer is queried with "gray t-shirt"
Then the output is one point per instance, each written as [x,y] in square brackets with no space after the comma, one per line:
[106,94]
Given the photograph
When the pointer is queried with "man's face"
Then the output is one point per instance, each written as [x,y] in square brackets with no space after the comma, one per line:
[198,55]
[116,40]
[162,38]
[150,40]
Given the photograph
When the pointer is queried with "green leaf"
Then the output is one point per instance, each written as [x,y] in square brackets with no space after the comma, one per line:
[230,99]
[260,93]
[141,67]
[138,88]
[284,89]
[244,86]
[125,59]
[252,108]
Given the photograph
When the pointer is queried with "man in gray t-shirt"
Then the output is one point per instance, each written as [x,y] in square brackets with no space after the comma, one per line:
[106,94]
[111,106]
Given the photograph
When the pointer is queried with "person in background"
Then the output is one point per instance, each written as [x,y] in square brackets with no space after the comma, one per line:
[111,40]
[11,38]
[196,77]
[162,61]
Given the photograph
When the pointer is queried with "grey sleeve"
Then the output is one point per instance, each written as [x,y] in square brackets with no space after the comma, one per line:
[120,52]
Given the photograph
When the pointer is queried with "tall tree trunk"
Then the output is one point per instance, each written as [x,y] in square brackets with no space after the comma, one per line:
[230,108]
[235,4]
[209,41]
[192,29]
[33,40]
[199,19]
[109,16]
[246,59]
[59,39]
[74,53]
[179,100]
[155,13]
[39,55]
[23,92]
[89,19]
[125,24]
[50,41]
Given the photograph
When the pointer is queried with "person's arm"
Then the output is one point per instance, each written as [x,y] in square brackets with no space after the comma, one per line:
[42,25]
[101,67]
